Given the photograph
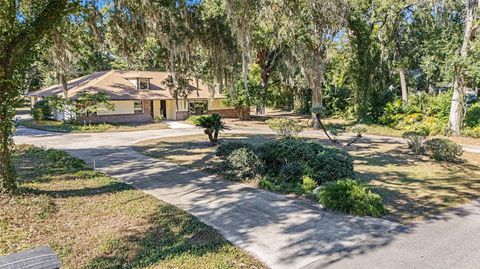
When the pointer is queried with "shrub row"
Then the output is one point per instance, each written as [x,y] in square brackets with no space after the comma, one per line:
[289,159]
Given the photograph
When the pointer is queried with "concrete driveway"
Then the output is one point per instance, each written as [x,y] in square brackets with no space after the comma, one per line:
[282,232]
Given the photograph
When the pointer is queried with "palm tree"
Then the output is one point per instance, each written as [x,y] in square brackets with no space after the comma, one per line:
[212,125]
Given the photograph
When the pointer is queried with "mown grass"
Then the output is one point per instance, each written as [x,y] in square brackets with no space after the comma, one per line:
[94,221]
[412,187]
[64,127]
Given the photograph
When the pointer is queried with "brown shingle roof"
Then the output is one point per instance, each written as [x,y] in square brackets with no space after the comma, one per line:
[116,84]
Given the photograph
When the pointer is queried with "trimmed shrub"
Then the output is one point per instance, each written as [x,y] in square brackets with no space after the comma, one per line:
[291,172]
[244,163]
[349,196]
[321,163]
[416,141]
[42,110]
[224,149]
[285,128]
[443,149]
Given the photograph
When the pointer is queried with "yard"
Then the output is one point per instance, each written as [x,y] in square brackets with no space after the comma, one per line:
[94,221]
[63,127]
[412,187]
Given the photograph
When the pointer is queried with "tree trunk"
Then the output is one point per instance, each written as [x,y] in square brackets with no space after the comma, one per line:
[317,84]
[263,97]
[403,85]
[245,70]
[456,109]
[7,169]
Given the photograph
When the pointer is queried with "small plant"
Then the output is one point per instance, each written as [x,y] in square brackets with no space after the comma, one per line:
[224,149]
[308,184]
[244,163]
[416,141]
[212,125]
[292,172]
[266,184]
[351,197]
[443,150]
[285,128]
[158,119]
[359,130]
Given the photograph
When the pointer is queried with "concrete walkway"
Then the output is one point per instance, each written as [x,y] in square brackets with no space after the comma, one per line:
[282,232]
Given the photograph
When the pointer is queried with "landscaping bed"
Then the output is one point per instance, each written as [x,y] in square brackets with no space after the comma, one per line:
[94,221]
[63,127]
[412,187]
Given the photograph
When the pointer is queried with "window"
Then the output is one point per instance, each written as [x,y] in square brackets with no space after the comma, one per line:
[138,106]
[198,107]
[143,83]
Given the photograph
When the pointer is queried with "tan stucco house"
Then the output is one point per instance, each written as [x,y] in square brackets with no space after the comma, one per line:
[139,96]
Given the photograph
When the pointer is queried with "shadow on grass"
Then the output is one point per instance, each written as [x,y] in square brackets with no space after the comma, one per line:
[172,233]
[416,186]
[200,153]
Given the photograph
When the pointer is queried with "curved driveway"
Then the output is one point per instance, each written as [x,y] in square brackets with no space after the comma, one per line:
[282,232]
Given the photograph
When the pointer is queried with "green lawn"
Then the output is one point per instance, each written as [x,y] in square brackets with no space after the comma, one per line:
[63,127]
[94,221]
[413,187]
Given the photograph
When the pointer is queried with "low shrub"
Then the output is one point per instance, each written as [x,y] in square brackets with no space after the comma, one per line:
[321,163]
[472,116]
[472,132]
[443,149]
[42,110]
[285,128]
[292,171]
[308,184]
[224,149]
[244,164]
[416,141]
[351,197]
[58,158]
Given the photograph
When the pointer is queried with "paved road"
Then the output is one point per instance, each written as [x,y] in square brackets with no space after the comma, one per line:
[282,232]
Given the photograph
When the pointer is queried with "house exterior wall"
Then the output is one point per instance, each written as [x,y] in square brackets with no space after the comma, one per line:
[143,117]
[171,110]
[121,108]
[216,104]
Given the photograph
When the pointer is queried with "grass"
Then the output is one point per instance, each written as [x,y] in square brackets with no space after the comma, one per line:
[94,221]
[412,187]
[193,150]
[63,127]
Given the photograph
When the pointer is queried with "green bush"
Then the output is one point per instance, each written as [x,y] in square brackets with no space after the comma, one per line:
[224,149]
[472,132]
[42,110]
[351,197]
[244,164]
[443,149]
[292,171]
[285,128]
[308,184]
[416,141]
[37,114]
[472,116]
[320,162]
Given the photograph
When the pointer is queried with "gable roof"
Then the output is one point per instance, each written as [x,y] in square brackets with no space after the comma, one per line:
[118,87]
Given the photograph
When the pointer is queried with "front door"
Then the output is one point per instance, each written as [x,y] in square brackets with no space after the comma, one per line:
[163,108]
[152,114]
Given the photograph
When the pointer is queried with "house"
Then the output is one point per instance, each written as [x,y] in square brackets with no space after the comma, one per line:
[139,97]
